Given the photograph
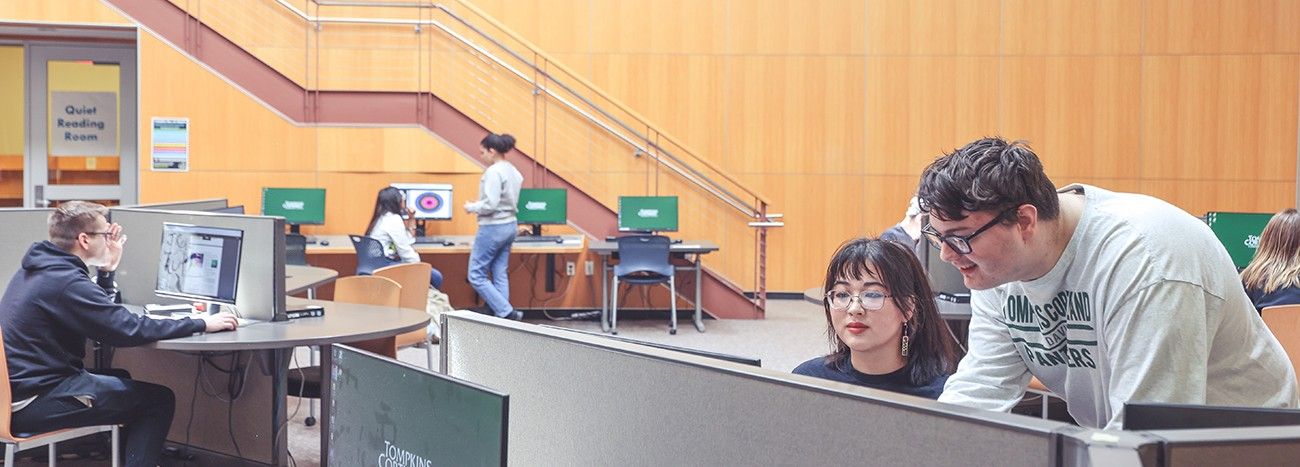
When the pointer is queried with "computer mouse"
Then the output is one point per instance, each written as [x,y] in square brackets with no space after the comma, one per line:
[324,243]
[448,243]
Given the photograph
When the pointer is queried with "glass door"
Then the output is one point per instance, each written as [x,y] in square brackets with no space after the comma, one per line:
[81,125]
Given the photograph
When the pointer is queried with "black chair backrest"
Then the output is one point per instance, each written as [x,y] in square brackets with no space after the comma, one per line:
[370,254]
[295,249]
[643,254]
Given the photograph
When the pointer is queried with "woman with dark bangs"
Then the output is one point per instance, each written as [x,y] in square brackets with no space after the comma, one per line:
[884,328]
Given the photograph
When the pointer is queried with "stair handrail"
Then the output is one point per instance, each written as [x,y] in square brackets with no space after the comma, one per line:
[680,167]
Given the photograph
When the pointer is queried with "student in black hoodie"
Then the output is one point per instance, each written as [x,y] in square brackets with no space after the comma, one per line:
[52,307]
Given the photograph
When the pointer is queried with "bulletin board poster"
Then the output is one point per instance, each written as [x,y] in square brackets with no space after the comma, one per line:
[170,144]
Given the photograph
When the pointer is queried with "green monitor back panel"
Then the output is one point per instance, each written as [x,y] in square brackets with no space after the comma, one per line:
[543,206]
[647,213]
[1238,232]
[400,414]
[298,206]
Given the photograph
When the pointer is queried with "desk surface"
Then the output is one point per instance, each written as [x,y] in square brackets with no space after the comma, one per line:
[603,247]
[343,322]
[947,309]
[340,244]
[300,278]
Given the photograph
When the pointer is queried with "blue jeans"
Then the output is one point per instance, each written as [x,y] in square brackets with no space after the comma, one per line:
[491,254]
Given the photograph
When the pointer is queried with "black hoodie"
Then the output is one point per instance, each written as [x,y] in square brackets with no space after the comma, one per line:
[49,310]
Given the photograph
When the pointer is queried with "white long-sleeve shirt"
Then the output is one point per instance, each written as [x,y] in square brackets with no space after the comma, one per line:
[498,199]
[1144,305]
[391,232]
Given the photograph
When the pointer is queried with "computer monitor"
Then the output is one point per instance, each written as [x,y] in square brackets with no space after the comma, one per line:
[199,263]
[647,213]
[404,415]
[1159,416]
[543,206]
[298,206]
[751,361]
[429,201]
[945,279]
[1239,233]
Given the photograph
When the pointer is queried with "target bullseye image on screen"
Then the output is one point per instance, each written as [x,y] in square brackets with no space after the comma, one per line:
[429,201]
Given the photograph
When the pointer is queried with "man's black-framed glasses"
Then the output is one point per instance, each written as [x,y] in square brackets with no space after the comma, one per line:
[959,243]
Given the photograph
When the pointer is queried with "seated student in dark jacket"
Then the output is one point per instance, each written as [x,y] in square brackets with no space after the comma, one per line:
[884,328]
[1273,277]
[52,307]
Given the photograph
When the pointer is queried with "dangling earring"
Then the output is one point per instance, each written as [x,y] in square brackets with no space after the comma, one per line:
[905,339]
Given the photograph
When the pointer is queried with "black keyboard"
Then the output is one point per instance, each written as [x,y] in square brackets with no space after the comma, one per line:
[539,239]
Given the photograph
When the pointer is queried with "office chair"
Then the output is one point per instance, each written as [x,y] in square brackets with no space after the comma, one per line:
[306,381]
[644,260]
[370,254]
[295,249]
[13,443]
[414,278]
[1284,322]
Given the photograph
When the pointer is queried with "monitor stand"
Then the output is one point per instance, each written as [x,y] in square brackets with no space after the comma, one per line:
[297,230]
[419,227]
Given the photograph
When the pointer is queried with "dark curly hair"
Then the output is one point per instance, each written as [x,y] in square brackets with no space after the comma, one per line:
[988,174]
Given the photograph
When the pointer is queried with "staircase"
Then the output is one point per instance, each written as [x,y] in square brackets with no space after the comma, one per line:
[457,73]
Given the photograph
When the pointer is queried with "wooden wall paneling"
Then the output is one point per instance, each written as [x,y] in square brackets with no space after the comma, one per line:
[409,149]
[658,26]
[66,11]
[368,57]
[1221,26]
[1080,114]
[229,131]
[1068,27]
[239,187]
[556,26]
[269,31]
[795,27]
[921,107]
[1220,117]
[932,27]
[1200,196]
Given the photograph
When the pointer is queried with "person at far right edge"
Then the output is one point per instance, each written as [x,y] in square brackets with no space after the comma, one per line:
[1105,297]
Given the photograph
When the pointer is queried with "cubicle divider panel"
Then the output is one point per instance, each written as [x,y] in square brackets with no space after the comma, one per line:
[20,228]
[260,291]
[1230,446]
[192,205]
[584,400]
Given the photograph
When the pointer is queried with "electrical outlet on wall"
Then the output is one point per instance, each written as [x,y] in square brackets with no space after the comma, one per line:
[590,267]
[569,268]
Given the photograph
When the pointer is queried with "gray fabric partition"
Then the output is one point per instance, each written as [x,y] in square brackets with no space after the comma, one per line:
[20,228]
[583,400]
[261,268]
[192,205]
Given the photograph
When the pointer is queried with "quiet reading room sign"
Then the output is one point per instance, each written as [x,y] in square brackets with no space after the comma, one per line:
[83,124]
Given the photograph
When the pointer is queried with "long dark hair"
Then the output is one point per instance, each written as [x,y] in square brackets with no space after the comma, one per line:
[932,353]
[388,200]
[1277,260]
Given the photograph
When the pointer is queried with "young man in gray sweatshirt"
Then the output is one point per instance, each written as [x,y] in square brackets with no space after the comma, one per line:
[1105,297]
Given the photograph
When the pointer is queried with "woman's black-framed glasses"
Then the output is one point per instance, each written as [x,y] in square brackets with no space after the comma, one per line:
[959,243]
[870,300]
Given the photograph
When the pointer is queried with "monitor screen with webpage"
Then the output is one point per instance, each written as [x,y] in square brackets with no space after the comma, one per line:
[298,206]
[199,263]
[647,213]
[429,201]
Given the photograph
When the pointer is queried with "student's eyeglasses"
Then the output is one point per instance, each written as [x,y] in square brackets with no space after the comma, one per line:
[107,235]
[959,243]
[870,300]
